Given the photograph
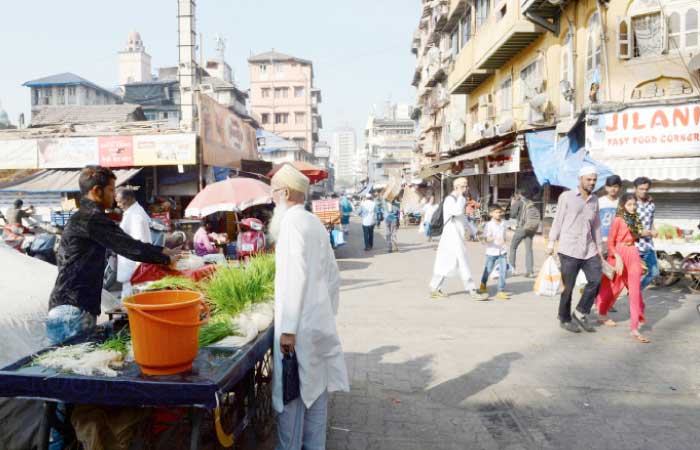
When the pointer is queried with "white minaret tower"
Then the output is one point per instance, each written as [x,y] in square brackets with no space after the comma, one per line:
[134,62]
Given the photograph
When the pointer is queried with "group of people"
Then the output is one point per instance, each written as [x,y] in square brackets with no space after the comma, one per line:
[614,232]
[372,212]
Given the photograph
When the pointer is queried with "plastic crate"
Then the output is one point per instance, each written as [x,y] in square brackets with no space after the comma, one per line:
[60,218]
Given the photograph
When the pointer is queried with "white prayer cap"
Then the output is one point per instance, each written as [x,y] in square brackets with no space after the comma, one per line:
[586,170]
[291,178]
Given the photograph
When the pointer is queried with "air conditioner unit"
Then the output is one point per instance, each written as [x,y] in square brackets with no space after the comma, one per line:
[478,128]
[485,100]
[505,126]
[491,111]
[488,132]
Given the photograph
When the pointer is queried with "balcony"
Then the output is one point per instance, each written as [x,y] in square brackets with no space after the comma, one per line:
[496,42]
[455,12]
[543,13]
[440,14]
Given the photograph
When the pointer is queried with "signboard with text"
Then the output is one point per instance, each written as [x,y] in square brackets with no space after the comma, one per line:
[116,151]
[226,138]
[165,149]
[648,132]
[506,160]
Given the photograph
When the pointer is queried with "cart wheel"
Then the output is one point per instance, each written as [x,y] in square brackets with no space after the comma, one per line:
[262,421]
[690,265]
[669,266]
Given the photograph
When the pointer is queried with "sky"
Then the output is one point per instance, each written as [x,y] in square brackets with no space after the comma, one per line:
[360,48]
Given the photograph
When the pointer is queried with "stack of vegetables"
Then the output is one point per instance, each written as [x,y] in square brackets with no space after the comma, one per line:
[232,293]
[670,233]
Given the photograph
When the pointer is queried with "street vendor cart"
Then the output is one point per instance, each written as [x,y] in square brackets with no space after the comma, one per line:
[679,259]
[227,391]
[328,211]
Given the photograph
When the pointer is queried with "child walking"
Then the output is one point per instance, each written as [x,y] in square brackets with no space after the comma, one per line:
[496,252]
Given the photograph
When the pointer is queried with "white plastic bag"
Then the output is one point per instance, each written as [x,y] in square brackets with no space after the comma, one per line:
[548,280]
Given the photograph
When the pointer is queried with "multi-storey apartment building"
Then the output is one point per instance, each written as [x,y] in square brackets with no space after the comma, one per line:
[615,78]
[390,144]
[68,89]
[283,97]
[344,156]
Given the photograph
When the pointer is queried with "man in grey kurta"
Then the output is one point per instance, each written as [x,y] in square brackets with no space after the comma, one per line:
[577,229]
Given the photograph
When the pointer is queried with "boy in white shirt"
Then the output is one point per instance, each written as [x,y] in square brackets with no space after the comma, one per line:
[496,252]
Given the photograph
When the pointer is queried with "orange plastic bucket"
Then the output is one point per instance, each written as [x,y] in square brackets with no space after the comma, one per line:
[165,329]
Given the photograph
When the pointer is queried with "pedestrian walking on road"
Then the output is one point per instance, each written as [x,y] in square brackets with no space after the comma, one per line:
[369,218]
[428,211]
[379,211]
[136,223]
[496,252]
[345,211]
[646,208]
[307,285]
[391,215]
[452,252]
[577,229]
[528,219]
[607,206]
[625,231]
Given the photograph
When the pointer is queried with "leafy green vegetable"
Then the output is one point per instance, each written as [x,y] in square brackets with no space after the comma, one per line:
[175,282]
[119,342]
[216,330]
[231,289]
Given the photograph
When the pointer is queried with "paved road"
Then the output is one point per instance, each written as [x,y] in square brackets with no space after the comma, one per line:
[458,374]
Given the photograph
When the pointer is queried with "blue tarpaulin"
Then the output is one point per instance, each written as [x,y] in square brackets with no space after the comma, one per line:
[557,163]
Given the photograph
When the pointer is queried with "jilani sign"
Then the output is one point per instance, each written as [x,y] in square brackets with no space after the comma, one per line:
[649,132]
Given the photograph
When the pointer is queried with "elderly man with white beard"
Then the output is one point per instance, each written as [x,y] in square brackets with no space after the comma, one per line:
[307,285]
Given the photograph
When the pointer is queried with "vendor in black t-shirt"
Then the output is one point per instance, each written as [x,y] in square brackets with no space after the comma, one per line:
[75,301]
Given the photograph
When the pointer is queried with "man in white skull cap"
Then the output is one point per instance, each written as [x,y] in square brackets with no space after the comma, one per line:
[307,285]
[577,228]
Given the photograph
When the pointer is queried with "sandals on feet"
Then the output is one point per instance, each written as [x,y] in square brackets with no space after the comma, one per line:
[607,322]
[640,338]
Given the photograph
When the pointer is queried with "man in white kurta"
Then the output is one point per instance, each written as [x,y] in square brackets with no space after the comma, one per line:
[307,285]
[135,222]
[452,251]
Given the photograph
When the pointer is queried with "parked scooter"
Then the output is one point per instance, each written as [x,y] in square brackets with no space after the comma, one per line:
[251,239]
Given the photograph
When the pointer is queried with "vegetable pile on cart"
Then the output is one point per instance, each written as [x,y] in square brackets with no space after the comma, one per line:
[193,359]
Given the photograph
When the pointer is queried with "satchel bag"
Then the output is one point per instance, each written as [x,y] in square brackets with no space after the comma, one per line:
[291,389]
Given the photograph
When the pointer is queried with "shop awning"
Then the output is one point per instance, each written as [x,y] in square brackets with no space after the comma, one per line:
[445,164]
[51,180]
[663,169]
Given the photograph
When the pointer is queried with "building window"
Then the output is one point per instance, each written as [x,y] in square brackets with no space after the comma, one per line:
[648,35]
[35,97]
[482,11]
[279,68]
[265,118]
[531,80]
[674,31]
[299,118]
[506,94]
[150,115]
[281,118]
[165,115]
[474,114]
[263,69]
[566,65]
[454,41]
[265,92]
[299,91]
[281,92]
[467,26]
[301,142]
[691,28]
[593,49]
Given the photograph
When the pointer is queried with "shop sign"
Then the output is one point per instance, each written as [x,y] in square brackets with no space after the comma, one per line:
[165,149]
[18,154]
[648,132]
[471,168]
[68,153]
[506,160]
[116,151]
[226,138]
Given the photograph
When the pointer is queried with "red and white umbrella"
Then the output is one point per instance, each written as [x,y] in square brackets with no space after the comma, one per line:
[232,194]
[315,174]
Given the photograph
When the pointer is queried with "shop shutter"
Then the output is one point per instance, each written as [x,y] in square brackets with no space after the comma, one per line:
[677,206]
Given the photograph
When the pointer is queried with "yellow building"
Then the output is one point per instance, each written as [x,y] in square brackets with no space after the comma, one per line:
[581,67]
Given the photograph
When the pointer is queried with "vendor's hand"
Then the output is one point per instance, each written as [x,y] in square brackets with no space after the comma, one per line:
[287,342]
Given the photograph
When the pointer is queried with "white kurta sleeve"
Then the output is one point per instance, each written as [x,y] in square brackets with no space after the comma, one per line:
[333,277]
[294,280]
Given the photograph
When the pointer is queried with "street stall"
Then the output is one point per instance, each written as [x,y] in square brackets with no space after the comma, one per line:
[678,254]
[328,212]
[190,361]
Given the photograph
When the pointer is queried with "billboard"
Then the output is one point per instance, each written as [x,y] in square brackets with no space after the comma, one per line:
[68,153]
[226,138]
[647,132]
[18,154]
[165,149]
[116,151]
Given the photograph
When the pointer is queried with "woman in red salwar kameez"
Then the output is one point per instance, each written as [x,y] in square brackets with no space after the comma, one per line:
[626,228]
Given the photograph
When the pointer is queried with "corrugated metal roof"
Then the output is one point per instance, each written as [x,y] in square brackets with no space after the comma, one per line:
[66,79]
[51,115]
[276,56]
[58,181]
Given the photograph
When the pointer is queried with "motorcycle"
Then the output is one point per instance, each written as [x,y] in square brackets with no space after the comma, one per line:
[251,239]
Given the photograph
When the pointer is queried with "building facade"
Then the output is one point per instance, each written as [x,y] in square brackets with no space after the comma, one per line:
[68,89]
[614,77]
[344,157]
[390,144]
[283,97]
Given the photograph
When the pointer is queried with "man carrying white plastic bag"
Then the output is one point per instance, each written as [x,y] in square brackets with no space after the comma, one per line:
[548,280]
